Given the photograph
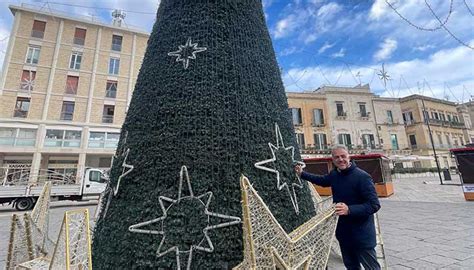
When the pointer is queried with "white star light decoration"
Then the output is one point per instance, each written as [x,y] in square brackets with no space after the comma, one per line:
[137,228]
[283,184]
[126,169]
[186,52]
[383,75]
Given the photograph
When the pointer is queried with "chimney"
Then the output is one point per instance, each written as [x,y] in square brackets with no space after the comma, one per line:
[118,17]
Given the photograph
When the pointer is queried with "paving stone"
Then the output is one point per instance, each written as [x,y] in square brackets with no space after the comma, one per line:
[439,260]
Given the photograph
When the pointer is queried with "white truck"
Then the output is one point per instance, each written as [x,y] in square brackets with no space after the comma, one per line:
[23,192]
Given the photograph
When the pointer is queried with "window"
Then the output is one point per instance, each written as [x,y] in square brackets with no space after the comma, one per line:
[340,109]
[116,43]
[27,80]
[449,117]
[62,138]
[71,85]
[67,111]
[436,116]
[394,141]
[32,55]
[108,114]
[22,107]
[320,142]
[440,139]
[412,141]
[111,89]
[79,36]
[363,110]
[368,141]
[76,58]
[318,117]
[455,119]
[443,117]
[408,118]
[448,140]
[103,140]
[38,29]
[345,139]
[426,116]
[17,137]
[95,176]
[114,66]
[300,140]
[296,116]
[389,117]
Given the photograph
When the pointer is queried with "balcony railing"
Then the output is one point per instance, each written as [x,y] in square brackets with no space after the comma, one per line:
[13,141]
[52,142]
[107,119]
[341,115]
[79,41]
[116,47]
[37,34]
[111,93]
[67,116]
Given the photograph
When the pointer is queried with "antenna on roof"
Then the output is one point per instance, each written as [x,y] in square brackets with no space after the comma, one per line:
[118,17]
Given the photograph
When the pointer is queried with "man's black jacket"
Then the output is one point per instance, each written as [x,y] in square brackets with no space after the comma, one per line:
[355,188]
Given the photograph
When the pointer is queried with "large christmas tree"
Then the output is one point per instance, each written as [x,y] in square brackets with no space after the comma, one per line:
[209,97]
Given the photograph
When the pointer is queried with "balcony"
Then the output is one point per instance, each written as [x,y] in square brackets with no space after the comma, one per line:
[67,116]
[457,124]
[107,119]
[37,34]
[318,124]
[116,47]
[58,142]
[79,41]
[341,115]
[365,116]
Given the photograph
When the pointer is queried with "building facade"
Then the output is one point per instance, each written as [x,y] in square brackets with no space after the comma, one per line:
[311,121]
[450,126]
[64,91]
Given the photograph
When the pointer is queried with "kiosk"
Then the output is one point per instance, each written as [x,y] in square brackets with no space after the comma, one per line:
[465,161]
[377,165]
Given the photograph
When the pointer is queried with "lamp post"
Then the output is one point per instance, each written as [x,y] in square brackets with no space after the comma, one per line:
[431,140]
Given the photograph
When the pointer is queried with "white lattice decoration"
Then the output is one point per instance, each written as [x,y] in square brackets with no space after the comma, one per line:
[268,246]
[29,233]
[40,263]
[18,245]
[73,248]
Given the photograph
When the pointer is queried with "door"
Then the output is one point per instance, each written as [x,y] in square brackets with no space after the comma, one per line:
[94,182]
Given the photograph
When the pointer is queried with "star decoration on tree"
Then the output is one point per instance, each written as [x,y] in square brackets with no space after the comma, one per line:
[186,52]
[293,179]
[383,75]
[109,191]
[202,202]
[268,246]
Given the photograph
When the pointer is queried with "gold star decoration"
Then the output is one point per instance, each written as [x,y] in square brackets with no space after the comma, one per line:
[268,246]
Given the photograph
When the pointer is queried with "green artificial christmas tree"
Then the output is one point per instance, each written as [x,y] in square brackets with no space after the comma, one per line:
[209,105]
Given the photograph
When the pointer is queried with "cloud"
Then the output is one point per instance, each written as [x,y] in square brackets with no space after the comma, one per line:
[285,26]
[4,37]
[378,9]
[386,49]
[406,75]
[325,47]
[329,10]
[339,54]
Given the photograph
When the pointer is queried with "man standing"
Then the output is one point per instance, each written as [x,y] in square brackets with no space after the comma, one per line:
[356,202]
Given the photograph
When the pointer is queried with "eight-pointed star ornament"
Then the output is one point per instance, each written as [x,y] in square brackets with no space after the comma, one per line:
[204,243]
[186,52]
[295,181]
[268,246]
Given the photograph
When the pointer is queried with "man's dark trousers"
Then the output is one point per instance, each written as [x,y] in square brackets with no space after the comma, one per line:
[354,258]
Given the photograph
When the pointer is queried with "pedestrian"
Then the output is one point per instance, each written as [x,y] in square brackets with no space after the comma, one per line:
[356,202]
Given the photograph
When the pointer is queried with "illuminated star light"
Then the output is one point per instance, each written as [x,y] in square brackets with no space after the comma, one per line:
[268,246]
[280,145]
[137,228]
[383,75]
[186,52]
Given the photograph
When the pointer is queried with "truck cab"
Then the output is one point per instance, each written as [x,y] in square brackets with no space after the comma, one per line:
[93,184]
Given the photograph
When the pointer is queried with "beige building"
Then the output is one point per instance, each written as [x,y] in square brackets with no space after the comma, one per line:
[311,121]
[351,115]
[390,126]
[450,126]
[64,90]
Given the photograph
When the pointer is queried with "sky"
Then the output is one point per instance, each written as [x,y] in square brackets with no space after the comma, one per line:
[424,46]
